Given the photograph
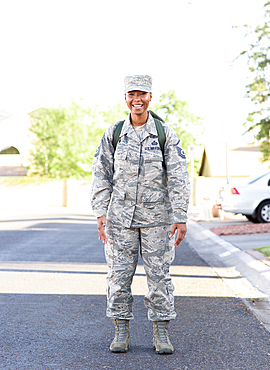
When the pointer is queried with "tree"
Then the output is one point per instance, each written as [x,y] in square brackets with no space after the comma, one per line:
[187,125]
[258,90]
[66,139]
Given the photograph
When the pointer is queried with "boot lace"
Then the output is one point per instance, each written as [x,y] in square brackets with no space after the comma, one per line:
[122,330]
[162,332]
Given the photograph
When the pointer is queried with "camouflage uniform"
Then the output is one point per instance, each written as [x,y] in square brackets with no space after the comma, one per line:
[143,195]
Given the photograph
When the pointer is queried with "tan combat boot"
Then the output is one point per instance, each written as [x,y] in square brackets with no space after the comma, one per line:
[121,339]
[161,341]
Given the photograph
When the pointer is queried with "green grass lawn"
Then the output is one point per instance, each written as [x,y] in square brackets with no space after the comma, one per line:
[264,250]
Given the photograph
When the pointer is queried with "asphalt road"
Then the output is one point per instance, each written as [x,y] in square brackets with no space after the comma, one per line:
[52,299]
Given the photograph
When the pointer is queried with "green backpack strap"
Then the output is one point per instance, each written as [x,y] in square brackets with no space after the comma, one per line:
[159,128]
[161,134]
[117,133]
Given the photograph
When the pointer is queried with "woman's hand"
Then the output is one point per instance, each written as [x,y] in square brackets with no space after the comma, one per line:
[181,232]
[101,222]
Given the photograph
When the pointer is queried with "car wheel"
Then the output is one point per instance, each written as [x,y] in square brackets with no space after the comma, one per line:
[252,219]
[263,213]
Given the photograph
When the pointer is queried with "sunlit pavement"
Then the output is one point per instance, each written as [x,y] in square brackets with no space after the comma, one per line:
[52,297]
[235,255]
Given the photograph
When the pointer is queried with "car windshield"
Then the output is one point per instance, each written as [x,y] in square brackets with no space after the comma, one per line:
[256,177]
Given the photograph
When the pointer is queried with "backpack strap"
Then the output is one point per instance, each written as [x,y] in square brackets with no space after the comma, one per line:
[161,134]
[159,128]
[117,133]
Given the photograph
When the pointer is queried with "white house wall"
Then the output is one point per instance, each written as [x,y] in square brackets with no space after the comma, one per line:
[14,131]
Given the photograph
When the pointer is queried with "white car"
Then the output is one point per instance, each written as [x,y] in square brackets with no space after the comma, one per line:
[252,199]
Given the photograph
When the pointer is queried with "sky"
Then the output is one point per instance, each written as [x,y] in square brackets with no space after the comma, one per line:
[53,52]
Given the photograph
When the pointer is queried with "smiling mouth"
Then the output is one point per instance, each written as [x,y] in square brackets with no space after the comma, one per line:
[137,105]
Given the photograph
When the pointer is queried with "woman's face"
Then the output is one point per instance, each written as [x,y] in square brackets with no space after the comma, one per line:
[138,101]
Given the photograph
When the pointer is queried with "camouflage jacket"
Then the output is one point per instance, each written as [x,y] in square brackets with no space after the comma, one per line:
[132,186]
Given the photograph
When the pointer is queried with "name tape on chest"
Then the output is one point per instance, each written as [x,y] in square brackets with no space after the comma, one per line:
[152,148]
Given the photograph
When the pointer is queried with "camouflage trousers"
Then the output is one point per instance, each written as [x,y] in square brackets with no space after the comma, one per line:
[157,252]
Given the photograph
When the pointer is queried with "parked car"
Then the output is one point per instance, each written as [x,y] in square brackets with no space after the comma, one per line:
[252,199]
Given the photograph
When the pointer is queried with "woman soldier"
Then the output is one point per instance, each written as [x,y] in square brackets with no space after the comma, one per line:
[140,192]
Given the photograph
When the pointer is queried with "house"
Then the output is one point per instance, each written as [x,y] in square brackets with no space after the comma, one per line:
[226,163]
[15,144]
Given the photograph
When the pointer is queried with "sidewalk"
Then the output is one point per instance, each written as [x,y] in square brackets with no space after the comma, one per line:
[233,255]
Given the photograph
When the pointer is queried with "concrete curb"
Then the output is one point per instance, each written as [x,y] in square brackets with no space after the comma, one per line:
[248,277]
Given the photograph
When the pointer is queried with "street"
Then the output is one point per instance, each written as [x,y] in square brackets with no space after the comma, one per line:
[52,297]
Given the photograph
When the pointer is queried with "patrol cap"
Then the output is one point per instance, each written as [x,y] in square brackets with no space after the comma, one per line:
[138,82]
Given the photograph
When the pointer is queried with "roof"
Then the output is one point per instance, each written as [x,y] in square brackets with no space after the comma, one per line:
[247,149]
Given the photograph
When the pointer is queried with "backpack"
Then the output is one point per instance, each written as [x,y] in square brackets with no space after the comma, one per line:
[159,128]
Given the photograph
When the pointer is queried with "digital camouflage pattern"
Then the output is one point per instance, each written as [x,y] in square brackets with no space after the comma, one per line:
[133,187]
[157,251]
[143,195]
[138,82]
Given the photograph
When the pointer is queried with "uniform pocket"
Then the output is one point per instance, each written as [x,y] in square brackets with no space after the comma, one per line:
[152,152]
[153,187]
[121,151]
[120,161]
[153,171]
[151,196]
[169,253]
